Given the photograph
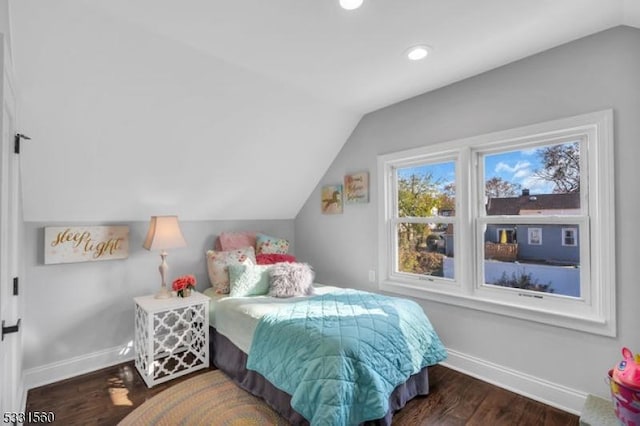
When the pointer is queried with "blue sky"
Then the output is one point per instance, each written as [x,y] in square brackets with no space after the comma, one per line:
[518,167]
[514,166]
[444,172]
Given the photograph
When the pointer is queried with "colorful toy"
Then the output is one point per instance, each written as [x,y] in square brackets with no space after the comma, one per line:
[627,372]
[624,382]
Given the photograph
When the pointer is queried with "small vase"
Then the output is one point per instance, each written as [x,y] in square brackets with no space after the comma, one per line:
[186,292]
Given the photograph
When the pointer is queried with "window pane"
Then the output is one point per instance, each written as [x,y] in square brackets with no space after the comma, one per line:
[533,257]
[569,237]
[426,190]
[535,236]
[543,180]
[425,249]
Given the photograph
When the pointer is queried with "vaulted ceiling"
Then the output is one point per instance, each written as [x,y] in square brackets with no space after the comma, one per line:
[234,109]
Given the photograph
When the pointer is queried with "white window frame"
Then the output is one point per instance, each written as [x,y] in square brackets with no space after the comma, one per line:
[594,311]
[438,282]
[574,232]
[530,234]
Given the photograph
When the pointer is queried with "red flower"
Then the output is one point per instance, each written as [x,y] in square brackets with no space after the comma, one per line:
[183,282]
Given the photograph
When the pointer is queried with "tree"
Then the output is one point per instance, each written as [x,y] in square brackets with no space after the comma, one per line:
[418,196]
[561,166]
[496,187]
[447,197]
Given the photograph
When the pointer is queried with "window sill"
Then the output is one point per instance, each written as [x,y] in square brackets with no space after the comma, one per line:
[594,325]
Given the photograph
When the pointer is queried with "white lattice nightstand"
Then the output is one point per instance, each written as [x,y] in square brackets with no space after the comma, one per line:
[171,336]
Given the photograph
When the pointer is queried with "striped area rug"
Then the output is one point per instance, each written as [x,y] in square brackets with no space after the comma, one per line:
[207,399]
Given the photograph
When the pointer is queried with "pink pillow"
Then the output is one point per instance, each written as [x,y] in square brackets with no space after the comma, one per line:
[236,240]
[271,258]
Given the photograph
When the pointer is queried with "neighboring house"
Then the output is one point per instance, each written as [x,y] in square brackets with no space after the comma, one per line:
[551,243]
[556,244]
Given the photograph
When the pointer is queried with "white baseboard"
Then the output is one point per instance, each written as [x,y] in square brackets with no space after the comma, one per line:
[556,395]
[54,372]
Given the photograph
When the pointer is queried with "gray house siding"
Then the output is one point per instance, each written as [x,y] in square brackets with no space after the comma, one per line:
[551,248]
[448,244]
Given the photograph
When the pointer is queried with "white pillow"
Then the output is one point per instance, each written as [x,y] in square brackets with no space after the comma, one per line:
[217,262]
[249,280]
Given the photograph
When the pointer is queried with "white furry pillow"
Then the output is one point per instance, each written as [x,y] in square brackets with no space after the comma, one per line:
[291,279]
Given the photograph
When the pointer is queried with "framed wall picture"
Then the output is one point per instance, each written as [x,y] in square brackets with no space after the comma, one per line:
[356,188]
[69,244]
[331,199]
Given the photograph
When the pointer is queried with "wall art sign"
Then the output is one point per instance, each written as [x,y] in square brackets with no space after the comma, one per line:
[331,199]
[69,244]
[356,188]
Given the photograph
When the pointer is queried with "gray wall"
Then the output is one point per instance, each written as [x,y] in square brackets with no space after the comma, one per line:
[4,20]
[590,74]
[77,309]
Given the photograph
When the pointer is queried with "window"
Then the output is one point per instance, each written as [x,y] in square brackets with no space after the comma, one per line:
[425,207]
[531,186]
[506,235]
[569,237]
[535,237]
[493,223]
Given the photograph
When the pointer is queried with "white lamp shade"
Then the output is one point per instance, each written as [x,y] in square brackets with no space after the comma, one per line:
[164,233]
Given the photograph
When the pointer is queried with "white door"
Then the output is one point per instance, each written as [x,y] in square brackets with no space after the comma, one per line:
[11,226]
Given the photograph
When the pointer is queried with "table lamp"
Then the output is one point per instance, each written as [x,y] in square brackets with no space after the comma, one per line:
[164,233]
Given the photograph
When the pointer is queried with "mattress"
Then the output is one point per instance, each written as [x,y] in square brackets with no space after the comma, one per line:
[236,318]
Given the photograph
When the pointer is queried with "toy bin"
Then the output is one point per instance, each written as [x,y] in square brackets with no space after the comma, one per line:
[626,402]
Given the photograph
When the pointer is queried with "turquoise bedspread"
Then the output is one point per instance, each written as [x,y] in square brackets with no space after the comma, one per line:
[341,355]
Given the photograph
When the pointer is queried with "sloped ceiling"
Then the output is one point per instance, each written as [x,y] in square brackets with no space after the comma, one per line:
[234,109]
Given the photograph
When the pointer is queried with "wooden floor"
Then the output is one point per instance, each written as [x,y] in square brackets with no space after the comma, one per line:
[106,396]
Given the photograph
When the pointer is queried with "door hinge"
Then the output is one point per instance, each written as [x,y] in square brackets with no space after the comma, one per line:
[15,286]
[9,330]
[16,145]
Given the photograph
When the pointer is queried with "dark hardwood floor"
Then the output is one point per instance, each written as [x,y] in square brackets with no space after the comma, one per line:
[106,396]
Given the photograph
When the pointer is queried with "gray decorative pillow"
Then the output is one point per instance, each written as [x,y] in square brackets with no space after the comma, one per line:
[291,279]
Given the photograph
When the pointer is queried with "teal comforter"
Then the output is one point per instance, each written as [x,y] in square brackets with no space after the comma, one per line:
[341,355]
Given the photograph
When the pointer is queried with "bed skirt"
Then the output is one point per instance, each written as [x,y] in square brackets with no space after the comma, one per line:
[230,359]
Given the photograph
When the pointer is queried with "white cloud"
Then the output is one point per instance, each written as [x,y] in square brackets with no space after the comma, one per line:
[536,185]
[519,167]
[523,173]
[529,152]
[504,167]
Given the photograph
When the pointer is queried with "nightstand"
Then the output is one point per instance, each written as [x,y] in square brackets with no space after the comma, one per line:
[171,336]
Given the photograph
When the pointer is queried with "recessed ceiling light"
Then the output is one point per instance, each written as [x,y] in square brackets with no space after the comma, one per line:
[417,53]
[350,4]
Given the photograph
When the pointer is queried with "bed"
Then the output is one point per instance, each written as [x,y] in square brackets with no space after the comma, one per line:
[339,356]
